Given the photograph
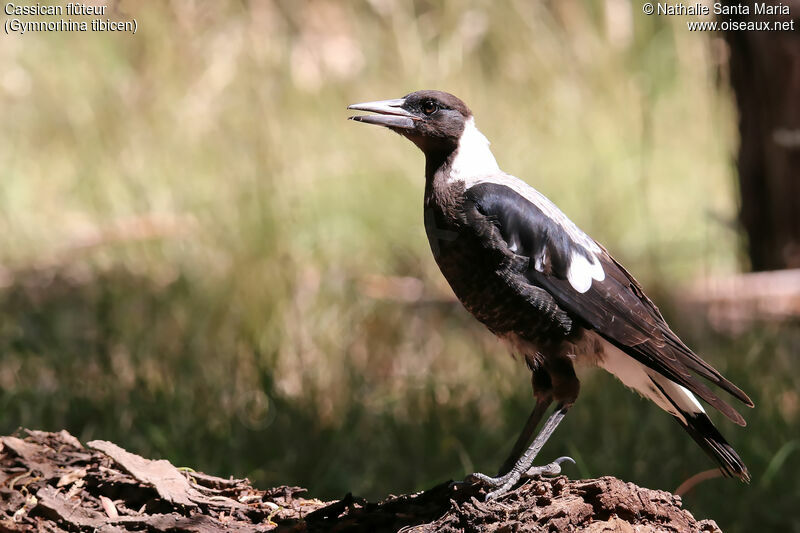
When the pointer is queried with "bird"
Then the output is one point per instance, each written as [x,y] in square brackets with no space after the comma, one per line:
[552,293]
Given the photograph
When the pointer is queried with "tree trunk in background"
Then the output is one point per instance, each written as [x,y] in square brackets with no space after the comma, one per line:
[765,75]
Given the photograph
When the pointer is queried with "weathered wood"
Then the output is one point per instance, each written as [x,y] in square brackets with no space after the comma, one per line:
[52,483]
[170,484]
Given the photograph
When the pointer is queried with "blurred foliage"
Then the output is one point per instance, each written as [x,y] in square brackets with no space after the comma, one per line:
[200,258]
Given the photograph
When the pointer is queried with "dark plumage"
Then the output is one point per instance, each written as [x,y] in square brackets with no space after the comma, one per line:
[523,269]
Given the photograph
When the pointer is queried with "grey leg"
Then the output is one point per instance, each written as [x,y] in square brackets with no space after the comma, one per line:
[503,483]
[525,437]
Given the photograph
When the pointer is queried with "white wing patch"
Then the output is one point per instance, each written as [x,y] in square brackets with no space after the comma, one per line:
[581,272]
[474,164]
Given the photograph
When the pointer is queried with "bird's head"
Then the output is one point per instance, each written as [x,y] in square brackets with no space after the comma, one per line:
[433,120]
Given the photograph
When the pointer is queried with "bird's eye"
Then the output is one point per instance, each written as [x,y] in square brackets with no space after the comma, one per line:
[429,107]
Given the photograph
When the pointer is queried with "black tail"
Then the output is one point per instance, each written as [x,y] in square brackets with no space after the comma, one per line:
[691,416]
[702,430]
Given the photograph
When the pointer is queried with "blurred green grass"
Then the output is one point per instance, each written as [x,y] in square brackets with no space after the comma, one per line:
[197,251]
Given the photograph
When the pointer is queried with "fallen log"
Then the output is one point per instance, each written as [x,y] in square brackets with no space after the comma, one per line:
[51,482]
[735,303]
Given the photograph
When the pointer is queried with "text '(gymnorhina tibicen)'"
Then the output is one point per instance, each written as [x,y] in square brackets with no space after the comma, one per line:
[523,269]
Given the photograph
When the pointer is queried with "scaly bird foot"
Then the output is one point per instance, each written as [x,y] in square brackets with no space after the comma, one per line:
[504,483]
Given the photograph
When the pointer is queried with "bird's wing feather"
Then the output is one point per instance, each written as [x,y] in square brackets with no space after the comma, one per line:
[588,283]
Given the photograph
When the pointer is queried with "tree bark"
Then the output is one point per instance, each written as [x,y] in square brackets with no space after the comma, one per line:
[51,482]
[765,76]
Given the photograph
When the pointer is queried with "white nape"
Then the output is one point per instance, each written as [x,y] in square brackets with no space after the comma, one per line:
[473,158]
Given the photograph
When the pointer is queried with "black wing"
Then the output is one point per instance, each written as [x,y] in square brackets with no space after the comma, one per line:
[611,302]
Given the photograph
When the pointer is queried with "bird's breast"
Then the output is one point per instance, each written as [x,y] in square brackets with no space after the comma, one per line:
[479,275]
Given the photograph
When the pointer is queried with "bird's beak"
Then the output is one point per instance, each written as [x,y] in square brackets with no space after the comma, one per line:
[390,114]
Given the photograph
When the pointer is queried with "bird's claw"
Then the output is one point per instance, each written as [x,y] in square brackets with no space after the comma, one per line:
[501,484]
[504,483]
[552,469]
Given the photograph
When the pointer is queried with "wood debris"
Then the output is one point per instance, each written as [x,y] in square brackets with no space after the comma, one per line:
[50,482]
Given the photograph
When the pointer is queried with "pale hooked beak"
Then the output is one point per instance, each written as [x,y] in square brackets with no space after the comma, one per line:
[390,114]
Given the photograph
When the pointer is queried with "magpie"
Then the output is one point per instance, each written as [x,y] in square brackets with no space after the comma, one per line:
[551,292]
